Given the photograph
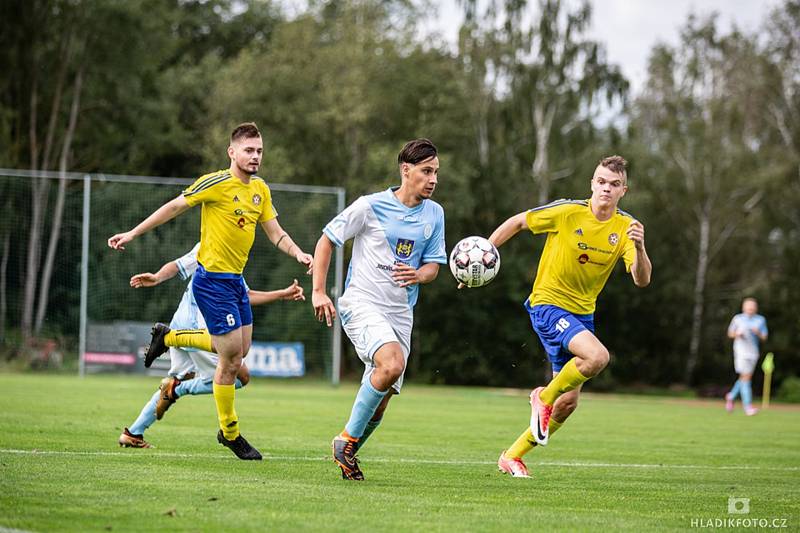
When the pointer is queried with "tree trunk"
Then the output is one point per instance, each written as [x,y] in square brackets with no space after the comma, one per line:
[540,170]
[58,212]
[40,189]
[699,294]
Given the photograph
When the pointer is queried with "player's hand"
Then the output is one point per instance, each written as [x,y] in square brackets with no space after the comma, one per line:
[294,292]
[323,307]
[636,234]
[119,240]
[405,275]
[145,279]
[305,259]
[460,286]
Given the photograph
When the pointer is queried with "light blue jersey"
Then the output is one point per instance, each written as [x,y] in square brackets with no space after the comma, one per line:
[386,232]
[747,345]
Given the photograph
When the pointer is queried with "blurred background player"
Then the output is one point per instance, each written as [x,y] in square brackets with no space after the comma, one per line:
[398,244]
[585,239]
[234,202]
[192,370]
[746,329]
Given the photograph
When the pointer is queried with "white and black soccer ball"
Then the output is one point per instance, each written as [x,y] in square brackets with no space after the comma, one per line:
[474,261]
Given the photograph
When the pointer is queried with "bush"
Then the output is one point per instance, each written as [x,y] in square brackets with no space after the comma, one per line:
[789,390]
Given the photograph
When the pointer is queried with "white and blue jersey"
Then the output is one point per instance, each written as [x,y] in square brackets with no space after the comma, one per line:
[386,232]
[747,344]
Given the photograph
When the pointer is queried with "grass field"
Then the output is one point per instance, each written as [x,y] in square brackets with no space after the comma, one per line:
[621,463]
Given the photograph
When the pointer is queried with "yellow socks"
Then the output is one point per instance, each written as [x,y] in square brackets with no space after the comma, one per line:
[526,442]
[189,338]
[228,421]
[568,379]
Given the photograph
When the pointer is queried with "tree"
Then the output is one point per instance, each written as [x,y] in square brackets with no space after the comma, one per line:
[692,121]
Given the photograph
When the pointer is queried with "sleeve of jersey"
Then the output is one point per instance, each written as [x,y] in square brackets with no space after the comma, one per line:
[347,223]
[187,264]
[435,251]
[269,211]
[629,254]
[732,326]
[545,218]
[202,190]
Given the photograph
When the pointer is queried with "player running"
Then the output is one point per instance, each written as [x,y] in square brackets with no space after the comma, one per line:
[585,239]
[234,201]
[398,244]
[192,370]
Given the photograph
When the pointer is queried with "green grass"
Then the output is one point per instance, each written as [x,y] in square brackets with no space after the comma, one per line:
[620,463]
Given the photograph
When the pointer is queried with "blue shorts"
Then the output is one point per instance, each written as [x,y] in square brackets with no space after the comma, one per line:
[223,300]
[556,327]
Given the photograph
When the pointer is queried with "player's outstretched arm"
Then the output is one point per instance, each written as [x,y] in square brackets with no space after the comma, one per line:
[323,306]
[508,229]
[293,292]
[146,279]
[406,275]
[285,244]
[166,212]
[642,268]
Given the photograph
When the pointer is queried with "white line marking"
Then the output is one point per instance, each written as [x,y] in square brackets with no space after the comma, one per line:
[225,457]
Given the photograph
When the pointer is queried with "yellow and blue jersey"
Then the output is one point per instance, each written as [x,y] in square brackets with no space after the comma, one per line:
[231,211]
[579,254]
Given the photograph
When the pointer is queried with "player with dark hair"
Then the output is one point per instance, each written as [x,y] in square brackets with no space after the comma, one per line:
[585,239]
[398,244]
[234,202]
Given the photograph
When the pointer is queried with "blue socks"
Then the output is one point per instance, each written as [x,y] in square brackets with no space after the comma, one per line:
[372,425]
[191,387]
[198,386]
[367,400]
[735,390]
[147,417]
[747,394]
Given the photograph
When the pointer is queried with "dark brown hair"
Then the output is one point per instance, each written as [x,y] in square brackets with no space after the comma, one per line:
[415,151]
[246,130]
[616,164]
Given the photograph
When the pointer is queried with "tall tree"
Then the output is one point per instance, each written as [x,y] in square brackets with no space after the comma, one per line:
[692,121]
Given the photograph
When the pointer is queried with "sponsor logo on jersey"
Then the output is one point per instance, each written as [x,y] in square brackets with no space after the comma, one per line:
[428,231]
[579,232]
[404,248]
[613,239]
[583,259]
[256,199]
[235,198]
[584,246]
[241,222]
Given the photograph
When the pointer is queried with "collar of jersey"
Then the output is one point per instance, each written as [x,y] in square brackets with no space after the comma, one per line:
[414,209]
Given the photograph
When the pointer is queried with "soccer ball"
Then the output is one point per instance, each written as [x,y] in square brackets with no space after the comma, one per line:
[474,261]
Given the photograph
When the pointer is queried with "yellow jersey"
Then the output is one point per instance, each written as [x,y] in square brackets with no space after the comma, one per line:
[231,211]
[579,254]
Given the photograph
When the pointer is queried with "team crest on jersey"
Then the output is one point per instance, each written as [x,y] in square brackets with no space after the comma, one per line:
[404,248]
[613,239]
[256,199]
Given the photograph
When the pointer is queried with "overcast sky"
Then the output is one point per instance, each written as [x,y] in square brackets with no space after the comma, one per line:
[630,28]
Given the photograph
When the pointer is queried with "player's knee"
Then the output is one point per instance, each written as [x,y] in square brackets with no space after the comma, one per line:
[597,359]
[244,375]
[395,368]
